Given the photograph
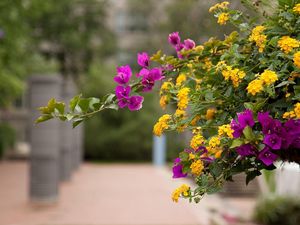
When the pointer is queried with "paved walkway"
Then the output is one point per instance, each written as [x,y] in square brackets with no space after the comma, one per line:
[108,194]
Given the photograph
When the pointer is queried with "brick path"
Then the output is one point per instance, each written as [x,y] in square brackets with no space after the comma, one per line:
[108,194]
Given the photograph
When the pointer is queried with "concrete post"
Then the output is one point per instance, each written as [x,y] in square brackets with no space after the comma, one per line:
[159,150]
[67,134]
[44,140]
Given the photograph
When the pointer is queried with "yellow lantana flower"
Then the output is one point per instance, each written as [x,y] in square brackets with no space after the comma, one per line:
[287,44]
[268,77]
[162,124]
[297,59]
[258,37]
[255,86]
[296,8]
[223,18]
[197,167]
[180,79]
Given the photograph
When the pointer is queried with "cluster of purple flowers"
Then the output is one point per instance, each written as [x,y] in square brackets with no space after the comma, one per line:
[123,90]
[277,136]
[149,77]
[174,40]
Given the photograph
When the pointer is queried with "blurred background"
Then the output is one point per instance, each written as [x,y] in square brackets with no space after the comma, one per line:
[62,48]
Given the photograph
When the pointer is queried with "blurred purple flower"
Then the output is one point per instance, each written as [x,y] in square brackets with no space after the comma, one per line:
[143,72]
[237,129]
[179,47]
[143,59]
[246,118]
[174,39]
[266,122]
[123,74]
[177,169]
[267,157]
[189,44]
[273,141]
[150,78]
[246,150]
[122,92]
[296,143]
[292,127]
[135,102]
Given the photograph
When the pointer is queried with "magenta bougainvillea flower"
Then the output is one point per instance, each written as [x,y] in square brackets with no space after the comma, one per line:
[143,59]
[243,119]
[135,102]
[267,157]
[150,77]
[246,118]
[246,150]
[177,169]
[273,141]
[189,44]
[122,92]
[174,39]
[124,74]
[237,129]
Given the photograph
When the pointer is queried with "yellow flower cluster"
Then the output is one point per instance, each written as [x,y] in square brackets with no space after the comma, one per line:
[287,44]
[222,5]
[180,79]
[213,146]
[182,190]
[255,86]
[163,101]
[268,77]
[210,113]
[293,113]
[297,59]
[223,18]
[225,130]
[180,114]
[258,37]
[296,8]
[165,86]
[196,141]
[183,98]
[197,167]
[162,124]
[235,75]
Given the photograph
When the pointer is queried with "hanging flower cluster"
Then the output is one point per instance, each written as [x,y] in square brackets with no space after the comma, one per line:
[239,97]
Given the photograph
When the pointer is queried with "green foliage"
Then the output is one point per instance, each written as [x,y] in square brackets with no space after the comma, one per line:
[7,137]
[278,211]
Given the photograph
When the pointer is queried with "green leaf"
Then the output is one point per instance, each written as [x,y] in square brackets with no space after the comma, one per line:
[84,104]
[248,133]
[43,118]
[215,169]
[108,99]
[74,101]
[112,106]
[76,122]
[184,156]
[284,83]
[236,143]
[60,106]
[249,105]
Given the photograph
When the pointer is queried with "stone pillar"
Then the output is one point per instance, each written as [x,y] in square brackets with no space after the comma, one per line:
[44,140]
[67,134]
[159,150]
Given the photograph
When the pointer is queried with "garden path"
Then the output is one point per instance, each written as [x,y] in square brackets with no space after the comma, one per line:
[107,194]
